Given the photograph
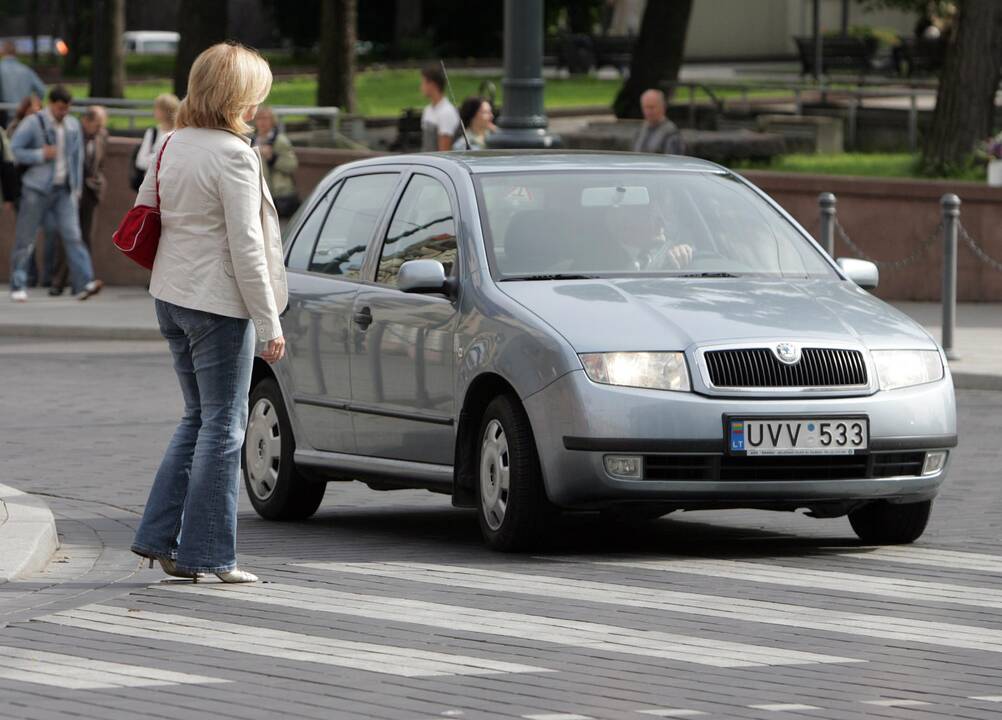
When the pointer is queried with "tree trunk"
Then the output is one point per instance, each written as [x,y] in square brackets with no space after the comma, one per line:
[79,18]
[657,54]
[201,24]
[965,101]
[336,71]
[406,24]
[107,72]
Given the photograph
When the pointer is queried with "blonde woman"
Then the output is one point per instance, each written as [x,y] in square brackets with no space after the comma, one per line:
[165,109]
[218,279]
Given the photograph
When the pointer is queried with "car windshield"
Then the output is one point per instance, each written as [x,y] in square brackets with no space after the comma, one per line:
[553,225]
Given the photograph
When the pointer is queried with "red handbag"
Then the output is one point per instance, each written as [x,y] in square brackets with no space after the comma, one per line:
[138,235]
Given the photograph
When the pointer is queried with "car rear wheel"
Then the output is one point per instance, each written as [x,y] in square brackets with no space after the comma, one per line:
[277,490]
[884,523]
[511,501]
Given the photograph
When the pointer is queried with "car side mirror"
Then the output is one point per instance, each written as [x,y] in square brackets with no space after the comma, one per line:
[862,272]
[423,276]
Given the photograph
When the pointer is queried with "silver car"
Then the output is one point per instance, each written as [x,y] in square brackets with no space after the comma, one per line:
[531,332]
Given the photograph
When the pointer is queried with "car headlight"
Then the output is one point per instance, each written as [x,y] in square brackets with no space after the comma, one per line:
[652,370]
[903,368]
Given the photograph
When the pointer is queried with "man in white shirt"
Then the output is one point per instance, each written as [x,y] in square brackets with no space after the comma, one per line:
[50,145]
[440,119]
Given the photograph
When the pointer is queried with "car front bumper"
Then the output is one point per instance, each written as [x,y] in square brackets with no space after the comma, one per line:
[577,423]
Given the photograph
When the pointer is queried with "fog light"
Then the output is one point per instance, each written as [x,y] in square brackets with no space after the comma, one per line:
[934,462]
[625,466]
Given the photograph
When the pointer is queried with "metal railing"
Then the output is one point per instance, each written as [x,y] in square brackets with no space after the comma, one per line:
[949,230]
[143,109]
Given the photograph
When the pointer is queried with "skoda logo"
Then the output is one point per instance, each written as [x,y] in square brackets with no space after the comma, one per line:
[787,353]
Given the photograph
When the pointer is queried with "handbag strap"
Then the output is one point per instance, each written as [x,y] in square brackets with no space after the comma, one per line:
[160,157]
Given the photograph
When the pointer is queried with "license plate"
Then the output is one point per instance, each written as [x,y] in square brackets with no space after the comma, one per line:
[798,436]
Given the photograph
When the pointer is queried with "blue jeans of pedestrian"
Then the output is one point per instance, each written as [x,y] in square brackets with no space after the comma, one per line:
[31,211]
[191,514]
[50,260]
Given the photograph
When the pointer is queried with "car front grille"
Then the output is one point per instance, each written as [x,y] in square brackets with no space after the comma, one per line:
[782,467]
[760,368]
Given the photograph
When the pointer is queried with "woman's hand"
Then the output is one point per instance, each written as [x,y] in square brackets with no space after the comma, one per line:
[274,350]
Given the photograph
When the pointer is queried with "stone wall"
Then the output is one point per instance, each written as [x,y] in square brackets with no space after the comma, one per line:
[888,219]
[109,264]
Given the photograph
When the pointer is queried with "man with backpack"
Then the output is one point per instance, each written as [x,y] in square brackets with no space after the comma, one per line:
[51,145]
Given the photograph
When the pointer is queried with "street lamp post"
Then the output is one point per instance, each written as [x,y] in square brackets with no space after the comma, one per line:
[523,121]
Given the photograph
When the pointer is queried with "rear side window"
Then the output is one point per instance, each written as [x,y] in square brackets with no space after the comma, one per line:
[422,229]
[345,234]
[302,246]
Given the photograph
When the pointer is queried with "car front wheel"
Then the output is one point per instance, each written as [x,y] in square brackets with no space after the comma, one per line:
[277,490]
[512,503]
[884,523]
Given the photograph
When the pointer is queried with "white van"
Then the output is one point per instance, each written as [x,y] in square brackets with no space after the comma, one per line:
[150,42]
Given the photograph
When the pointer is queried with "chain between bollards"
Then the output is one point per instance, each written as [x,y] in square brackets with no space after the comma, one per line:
[950,204]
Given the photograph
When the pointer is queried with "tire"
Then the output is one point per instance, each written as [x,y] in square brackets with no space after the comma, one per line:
[884,523]
[277,490]
[511,501]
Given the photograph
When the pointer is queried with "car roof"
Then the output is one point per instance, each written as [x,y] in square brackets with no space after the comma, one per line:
[497,161]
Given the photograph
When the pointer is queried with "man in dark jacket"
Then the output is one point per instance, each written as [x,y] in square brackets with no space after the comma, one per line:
[658,134]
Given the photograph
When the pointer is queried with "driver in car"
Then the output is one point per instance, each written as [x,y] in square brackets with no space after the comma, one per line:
[640,244]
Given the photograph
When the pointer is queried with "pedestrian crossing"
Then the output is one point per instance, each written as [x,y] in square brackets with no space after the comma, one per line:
[731,608]
[79,673]
[384,592]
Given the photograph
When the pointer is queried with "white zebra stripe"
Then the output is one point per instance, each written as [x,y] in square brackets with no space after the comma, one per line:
[916,590]
[931,557]
[594,636]
[773,613]
[405,662]
[81,673]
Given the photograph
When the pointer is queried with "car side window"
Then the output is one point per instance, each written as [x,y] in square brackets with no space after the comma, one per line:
[302,245]
[346,232]
[422,228]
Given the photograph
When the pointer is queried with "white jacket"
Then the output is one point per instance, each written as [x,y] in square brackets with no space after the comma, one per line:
[220,246]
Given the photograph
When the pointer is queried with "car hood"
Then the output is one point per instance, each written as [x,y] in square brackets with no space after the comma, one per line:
[676,313]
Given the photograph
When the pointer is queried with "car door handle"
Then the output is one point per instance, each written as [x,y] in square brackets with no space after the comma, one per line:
[363,318]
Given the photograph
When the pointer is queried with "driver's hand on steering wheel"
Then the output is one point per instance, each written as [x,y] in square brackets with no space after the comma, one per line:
[680,256]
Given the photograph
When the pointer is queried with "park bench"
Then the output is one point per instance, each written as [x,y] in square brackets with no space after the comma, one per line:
[838,54]
[920,56]
[579,53]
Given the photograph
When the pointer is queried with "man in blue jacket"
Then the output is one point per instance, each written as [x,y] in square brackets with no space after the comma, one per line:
[50,144]
[17,80]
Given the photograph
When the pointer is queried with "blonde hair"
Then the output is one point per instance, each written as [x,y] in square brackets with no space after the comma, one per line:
[225,82]
[168,104]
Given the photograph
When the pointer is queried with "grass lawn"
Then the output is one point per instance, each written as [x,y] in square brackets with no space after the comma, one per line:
[888,165]
[388,92]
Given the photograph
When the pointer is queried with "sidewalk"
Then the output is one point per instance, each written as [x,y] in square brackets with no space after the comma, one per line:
[27,533]
[126,313]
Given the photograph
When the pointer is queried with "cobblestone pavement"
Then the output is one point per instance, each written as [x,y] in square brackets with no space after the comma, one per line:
[385,605]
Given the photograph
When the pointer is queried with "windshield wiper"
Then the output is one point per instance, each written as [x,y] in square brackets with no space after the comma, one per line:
[548,276]
[721,274]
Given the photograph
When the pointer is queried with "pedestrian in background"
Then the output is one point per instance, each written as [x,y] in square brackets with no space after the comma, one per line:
[658,134]
[218,278]
[50,144]
[164,113]
[94,122]
[17,80]
[439,120]
[280,161]
[477,117]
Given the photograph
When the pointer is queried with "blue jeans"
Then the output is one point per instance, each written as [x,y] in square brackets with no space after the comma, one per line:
[191,514]
[50,261]
[31,211]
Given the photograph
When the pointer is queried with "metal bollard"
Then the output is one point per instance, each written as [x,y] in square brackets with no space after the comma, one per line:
[951,219]
[826,201]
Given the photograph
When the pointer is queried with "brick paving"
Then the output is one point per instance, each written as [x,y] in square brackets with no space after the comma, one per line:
[385,605]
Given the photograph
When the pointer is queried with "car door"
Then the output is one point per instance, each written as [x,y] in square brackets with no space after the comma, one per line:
[325,263]
[402,354]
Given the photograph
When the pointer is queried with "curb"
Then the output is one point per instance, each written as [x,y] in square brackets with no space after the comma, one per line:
[27,533]
[79,332]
